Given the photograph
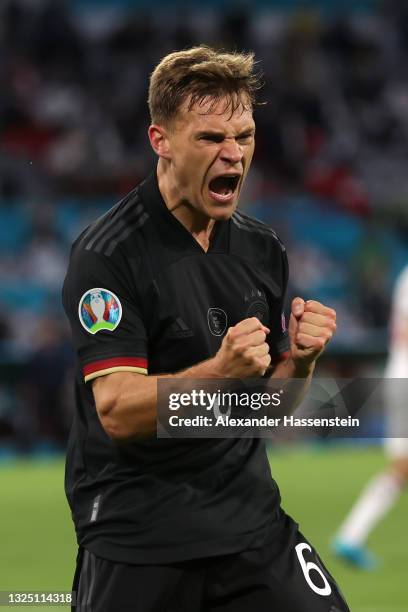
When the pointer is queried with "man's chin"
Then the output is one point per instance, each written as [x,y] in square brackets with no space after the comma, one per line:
[222,215]
[221,211]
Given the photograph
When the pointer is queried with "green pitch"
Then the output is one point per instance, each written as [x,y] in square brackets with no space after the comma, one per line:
[317,486]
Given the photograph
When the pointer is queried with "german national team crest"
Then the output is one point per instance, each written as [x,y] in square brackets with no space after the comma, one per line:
[217,321]
[257,305]
[99,309]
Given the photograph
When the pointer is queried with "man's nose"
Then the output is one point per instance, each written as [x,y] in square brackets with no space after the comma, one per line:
[231,152]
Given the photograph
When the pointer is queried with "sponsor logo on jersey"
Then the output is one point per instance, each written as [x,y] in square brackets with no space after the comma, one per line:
[99,309]
[217,321]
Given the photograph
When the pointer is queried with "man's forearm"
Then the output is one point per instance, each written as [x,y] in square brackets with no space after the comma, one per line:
[127,403]
[287,370]
[130,411]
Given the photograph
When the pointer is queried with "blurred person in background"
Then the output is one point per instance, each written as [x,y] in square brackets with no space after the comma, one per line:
[43,420]
[384,490]
[174,281]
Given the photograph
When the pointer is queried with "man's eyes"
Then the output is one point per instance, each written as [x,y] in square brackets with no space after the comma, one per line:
[244,138]
[212,138]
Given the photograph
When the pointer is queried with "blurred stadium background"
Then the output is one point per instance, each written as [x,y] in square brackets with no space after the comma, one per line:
[329,175]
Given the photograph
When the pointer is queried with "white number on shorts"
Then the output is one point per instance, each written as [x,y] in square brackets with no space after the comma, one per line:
[308,566]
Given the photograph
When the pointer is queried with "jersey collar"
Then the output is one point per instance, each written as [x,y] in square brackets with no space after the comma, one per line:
[173,230]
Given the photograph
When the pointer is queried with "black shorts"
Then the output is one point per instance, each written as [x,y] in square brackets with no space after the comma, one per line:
[285,575]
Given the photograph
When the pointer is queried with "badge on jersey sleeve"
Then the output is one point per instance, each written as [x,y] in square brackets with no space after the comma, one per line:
[99,309]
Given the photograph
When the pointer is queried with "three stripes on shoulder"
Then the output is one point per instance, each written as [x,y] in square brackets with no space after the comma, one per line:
[246,223]
[114,228]
[129,215]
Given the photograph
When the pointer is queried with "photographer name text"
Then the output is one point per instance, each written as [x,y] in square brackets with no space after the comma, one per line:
[286,421]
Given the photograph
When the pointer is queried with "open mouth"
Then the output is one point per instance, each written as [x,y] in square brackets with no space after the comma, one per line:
[223,187]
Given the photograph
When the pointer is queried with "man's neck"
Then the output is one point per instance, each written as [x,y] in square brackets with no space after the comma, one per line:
[199,226]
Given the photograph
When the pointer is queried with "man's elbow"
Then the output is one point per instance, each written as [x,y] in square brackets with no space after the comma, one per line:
[106,409]
[115,430]
[115,425]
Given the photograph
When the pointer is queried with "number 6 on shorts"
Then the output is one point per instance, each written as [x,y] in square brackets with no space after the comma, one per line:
[308,566]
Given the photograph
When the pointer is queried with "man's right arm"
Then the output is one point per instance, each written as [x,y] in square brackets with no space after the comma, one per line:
[126,402]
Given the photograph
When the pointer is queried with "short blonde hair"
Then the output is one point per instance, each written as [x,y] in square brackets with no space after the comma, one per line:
[199,74]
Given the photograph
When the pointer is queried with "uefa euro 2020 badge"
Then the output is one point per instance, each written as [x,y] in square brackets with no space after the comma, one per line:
[99,309]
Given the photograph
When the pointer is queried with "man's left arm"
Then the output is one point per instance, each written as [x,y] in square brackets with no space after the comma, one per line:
[311,327]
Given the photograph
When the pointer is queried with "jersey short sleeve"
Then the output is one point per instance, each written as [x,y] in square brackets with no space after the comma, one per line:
[104,311]
[278,338]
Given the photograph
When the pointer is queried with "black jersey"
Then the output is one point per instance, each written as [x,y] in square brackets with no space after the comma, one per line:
[141,295]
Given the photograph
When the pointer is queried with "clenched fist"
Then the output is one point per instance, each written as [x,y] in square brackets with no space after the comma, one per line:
[244,351]
[311,326]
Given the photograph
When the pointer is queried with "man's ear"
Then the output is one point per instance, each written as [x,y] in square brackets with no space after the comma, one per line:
[159,141]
